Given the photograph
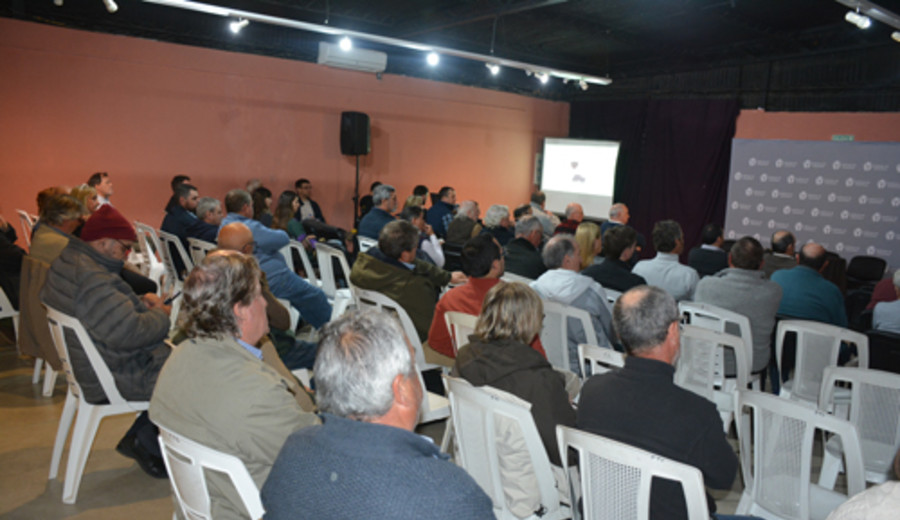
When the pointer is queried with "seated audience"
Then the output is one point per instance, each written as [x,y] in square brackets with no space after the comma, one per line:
[587,234]
[365,460]
[744,289]
[414,201]
[618,216]
[11,257]
[365,202]
[664,271]
[262,204]
[782,255]
[806,294]
[176,180]
[709,258]
[309,209]
[88,198]
[384,204]
[563,284]
[209,210]
[465,223]
[523,253]
[101,182]
[521,211]
[441,212]
[128,331]
[574,216]
[215,388]
[309,300]
[181,221]
[548,220]
[284,219]
[883,292]
[499,355]
[640,405]
[497,224]
[47,193]
[392,269]
[886,315]
[619,244]
[430,249]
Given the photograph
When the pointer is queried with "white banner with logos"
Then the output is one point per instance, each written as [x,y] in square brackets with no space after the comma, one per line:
[843,195]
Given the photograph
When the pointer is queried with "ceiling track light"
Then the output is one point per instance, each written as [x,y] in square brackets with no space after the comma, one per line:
[346,43]
[433,58]
[110,5]
[493,67]
[543,77]
[895,36]
[58,3]
[238,24]
[860,20]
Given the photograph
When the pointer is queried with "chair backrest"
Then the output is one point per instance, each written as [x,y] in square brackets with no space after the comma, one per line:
[513,277]
[616,477]
[27,225]
[776,454]
[485,420]
[6,308]
[596,360]
[712,317]
[199,249]
[171,244]
[287,253]
[186,461]
[325,254]
[366,299]
[884,350]
[558,317]
[699,367]
[148,238]
[365,243]
[461,326]
[818,346]
[61,323]
[866,268]
[874,410]
[611,296]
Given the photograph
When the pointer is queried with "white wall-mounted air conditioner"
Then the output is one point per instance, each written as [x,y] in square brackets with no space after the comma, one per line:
[354,59]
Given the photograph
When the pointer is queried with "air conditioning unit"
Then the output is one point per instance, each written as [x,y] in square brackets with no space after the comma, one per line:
[354,59]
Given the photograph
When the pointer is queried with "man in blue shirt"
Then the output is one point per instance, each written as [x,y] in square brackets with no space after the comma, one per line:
[441,213]
[806,294]
[384,198]
[284,283]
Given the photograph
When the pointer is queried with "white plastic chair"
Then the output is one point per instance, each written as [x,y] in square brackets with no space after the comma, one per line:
[27,225]
[616,477]
[555,332]
[168,241]
[818,347]
[874,410]
[484,417]
[434,407]
[89,415]
[365,243]
[776,459]
[596,360]
[340,298]
[713,317]
[699,367]
[292,312]
[152,250]
[7,311]
[293,245]
[460,326]
[513,277]
[199,249]
[187,461]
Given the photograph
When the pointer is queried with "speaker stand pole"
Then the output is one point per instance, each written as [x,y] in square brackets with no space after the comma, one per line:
[356,196]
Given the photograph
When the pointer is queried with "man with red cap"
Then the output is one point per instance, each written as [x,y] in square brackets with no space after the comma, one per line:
[128,331]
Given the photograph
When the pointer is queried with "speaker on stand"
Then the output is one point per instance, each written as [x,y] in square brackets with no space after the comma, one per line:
[355,140]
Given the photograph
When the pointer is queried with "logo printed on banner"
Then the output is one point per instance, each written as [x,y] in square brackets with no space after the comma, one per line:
[749,192]
[760,207]
[826,229]
[774,194]
[862,199]
[802,195]
[771,224]
[889,235]
[867,166]
[876,217]
[731,234]
[898,167]
[737,176]
[882,184]
[786,210]
[734,205]
[807,163]
[798,226]
[745,221]
[763,177]
[752,161]
[895,202]
[857,232]
[831,197]
[778,163]
[819,180]
[790,179]
[849,182]
[845,215]
[814,212]
[839,247]
[836,165]
[870,250]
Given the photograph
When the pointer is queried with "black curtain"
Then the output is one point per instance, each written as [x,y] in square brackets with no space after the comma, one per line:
[673,161]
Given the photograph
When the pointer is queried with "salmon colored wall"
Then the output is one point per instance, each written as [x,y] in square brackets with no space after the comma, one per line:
[75,102]
[815,126]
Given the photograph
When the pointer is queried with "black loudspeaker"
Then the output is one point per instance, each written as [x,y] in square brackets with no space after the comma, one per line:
[355,133]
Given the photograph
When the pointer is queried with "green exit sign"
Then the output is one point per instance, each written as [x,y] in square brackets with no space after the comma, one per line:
[842,137]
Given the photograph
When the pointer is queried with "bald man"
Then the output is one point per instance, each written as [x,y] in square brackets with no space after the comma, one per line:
[782,256]
[806,294]
[574,216]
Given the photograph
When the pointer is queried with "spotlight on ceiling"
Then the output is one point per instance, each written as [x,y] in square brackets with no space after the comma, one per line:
[896,36]
[239,24]
[433,58]
[493,67]
[58,3]
[346,43]
[860,20]
[583,84]
[543,77]
[110,5]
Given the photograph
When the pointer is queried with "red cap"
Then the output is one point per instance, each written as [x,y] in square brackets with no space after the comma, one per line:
[107,222]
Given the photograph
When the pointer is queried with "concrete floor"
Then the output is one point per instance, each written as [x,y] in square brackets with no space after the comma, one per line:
[113,487]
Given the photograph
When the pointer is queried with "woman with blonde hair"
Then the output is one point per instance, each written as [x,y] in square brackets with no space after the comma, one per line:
[87,196]
[499,355]
[588,237]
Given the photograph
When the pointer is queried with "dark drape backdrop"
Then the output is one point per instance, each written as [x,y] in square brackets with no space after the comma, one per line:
[673,161]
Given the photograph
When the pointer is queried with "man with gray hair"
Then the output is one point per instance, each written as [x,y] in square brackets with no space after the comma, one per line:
[209,210]
[465,223]
[574,216]
[640,405]
[886,315]
[215,388]
[564,284]
[523,253]
[664,270]
[384,199]
[497,223]
[548,220]
[365,460]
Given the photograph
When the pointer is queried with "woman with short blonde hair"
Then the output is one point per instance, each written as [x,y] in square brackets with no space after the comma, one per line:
[588,237]
[511,311]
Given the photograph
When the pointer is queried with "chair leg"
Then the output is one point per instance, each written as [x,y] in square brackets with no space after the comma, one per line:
[15,320]
[831,466]
[49,380]
[82,439]
[448,434]
[38,363]
[62,432]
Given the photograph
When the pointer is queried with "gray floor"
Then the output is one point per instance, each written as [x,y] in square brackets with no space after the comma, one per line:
[113,486]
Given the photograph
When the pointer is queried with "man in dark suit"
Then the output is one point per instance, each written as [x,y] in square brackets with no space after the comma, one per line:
[619,245]
[709,258]
[523,253]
